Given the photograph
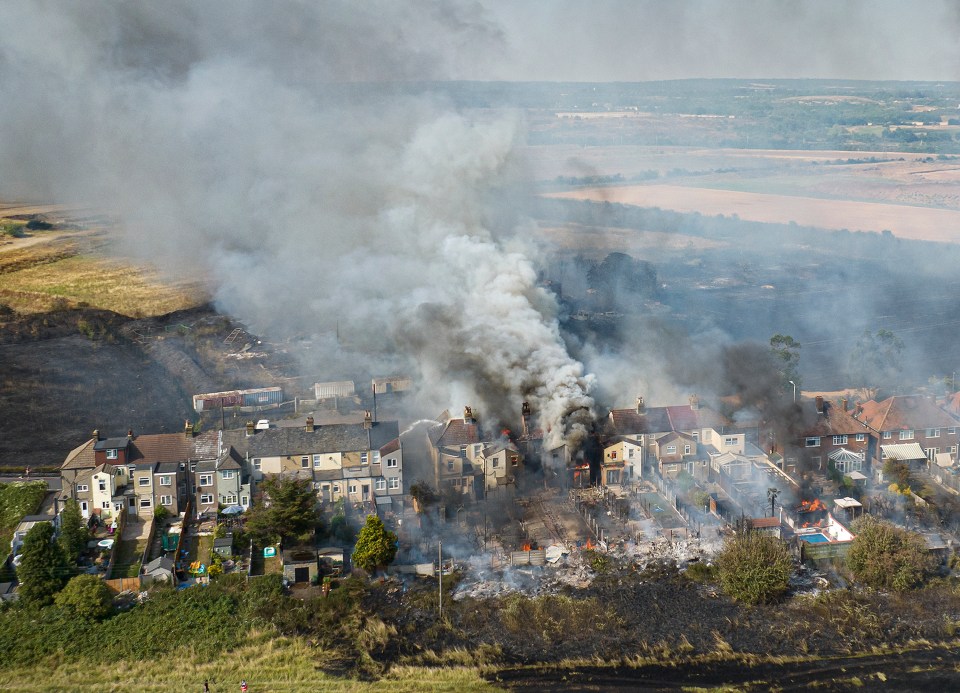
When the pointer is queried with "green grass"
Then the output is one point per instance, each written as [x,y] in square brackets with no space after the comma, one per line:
[17,499]
[127,561]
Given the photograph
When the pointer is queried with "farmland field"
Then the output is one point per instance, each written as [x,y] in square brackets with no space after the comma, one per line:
[914,223]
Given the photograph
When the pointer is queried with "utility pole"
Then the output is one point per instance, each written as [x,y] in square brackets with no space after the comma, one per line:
[440,574]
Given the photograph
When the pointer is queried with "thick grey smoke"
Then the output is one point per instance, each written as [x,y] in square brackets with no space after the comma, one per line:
[276,151]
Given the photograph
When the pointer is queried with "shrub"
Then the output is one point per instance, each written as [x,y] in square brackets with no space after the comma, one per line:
[86,597]
[887,557]
[754,568]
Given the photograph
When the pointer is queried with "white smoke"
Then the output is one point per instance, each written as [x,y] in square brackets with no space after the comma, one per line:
[281,154]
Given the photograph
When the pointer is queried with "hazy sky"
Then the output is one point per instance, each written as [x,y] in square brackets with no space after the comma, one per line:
[637,40]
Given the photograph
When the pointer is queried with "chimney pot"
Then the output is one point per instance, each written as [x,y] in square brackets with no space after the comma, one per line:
[467,414]
[250,428]
[367,419]
[130,434]
[640,405]
[694,402]
[309,426]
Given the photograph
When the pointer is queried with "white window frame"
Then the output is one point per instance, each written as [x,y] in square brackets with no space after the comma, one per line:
[671,450]
[143,481]
[209,480]
[392,462]
[730,442]
[933,433]
[166,500]
[840,439]
[861,437]
[101,485]
[206,499]
[146,502]
[380,485]
[304,462]
[166,480]
[82,488]
[230,499]
[394,483]
[227,473]
[952,431]
[906,434]
[257,463]
[477,449]
[364,458]
[887,435]
[317,461]
[932,453]
[113,453]
[352,489]
[686,450]
[812,442]
[375,457]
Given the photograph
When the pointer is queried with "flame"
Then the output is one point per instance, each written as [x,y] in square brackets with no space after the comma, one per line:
[526,547]
[811,506]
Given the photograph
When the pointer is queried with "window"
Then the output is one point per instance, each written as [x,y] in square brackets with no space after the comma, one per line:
[206,499]
[887,435]
[840,440]
[933,433]
[256,463]
[932,453]
[953,449]
[146,502]
[336,488]
[449,465]
[476,449]
[951,431]
[230,499]
[630,452]
[82,488]
[861,437]
[514,460]
[165,481]
[463,451]
[376,457]
[106,505]
[391,462]
[496,461]
[193,467]
[456,483]
[166,500]
[671,449]
[363,458]
[305,462]
[228,474]
[112,453]
[101,484]
[353,488]
[316,461]
[686,450]
[394,483]
[906,434]
[143,481]
[380,484]
[613,455]
[206,479]
[244,501]
[732,441]
[813,442]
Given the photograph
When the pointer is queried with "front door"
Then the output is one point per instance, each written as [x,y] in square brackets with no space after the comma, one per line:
[366,491]
[301,575]
[132,505]
[84,509]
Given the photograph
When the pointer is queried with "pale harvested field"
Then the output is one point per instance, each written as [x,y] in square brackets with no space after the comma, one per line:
[914,223]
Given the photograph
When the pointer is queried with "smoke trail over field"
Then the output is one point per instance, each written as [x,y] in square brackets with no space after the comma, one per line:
[278,153]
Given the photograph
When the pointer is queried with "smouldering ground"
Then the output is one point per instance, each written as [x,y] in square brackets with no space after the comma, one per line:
[914,223]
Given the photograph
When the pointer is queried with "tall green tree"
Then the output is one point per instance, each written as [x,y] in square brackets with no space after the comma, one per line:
[886,557]
[286,510]
[43,570]
[754,568]
[786,352]
[875,362]
[376,546]
[73,531]
[86,597]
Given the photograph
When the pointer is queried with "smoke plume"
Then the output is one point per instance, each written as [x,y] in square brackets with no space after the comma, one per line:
[281,154]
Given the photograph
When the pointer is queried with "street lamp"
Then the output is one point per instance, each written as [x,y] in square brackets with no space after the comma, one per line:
[794,390]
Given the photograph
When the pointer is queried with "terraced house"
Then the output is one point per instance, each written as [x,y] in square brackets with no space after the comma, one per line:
[359,462]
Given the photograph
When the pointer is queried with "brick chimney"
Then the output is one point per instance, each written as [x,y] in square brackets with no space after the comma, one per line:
[129,434]
[819,401]
[641,407]
[250,428]
[844,403]
[187,429]
[367,419]
[694,402]
[309,425]
[96,434]
[468,415]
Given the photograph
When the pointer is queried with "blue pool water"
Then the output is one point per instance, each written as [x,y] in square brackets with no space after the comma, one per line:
[814,538]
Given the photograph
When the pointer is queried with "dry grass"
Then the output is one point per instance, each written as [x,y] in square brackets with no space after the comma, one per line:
[41,276]
[267,663]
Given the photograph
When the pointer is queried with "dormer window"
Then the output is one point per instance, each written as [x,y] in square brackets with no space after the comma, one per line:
[112,453]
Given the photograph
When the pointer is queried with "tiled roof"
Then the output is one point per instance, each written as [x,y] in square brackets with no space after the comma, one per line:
[833,421]
[326,438]
[455,432]
[392,446]
[905,412]
[81,457]
[664,419]
[172,447]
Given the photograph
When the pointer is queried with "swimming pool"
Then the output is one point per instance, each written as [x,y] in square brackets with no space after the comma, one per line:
[817,538]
